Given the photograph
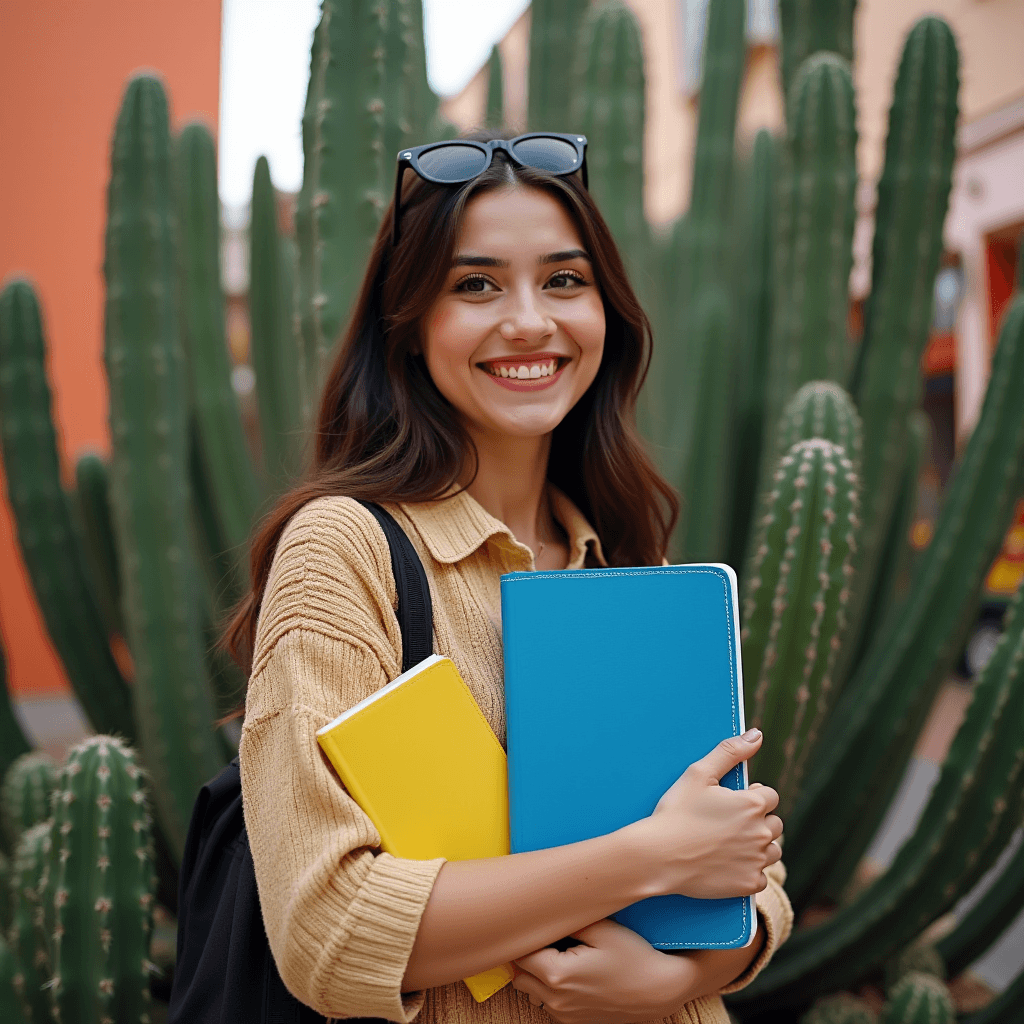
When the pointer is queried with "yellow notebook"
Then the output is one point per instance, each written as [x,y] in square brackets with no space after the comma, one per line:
[420,759]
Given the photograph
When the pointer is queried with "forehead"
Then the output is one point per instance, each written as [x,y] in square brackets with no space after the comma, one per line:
[518,218]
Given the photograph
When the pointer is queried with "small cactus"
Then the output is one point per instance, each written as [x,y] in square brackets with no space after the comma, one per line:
[25,797]
[103,899]
[33,968]
[921,957]
[842,1008]
[919,998]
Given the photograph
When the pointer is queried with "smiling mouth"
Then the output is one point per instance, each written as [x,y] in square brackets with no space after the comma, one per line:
[524,369]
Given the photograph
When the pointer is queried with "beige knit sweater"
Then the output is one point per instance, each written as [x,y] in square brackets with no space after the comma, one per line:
[340,915]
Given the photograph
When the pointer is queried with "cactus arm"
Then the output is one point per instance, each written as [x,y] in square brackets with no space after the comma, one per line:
[793,609]
[13,742]
[224,460]
[754,334]
[972,807]
[399,69]
[104,893]
[25,796]
[918,998]
[986,921]
[495,115]
[913,195]
[347,173]
[897,680]
[555,27]
[277,378]
[45,534]
[33,971]
[812,25]
[92,491]
[148,417]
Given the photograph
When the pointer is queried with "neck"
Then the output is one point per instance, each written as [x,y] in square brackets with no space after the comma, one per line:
[510,485]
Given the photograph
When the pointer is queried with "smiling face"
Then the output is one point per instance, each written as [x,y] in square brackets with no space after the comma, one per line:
[516,335]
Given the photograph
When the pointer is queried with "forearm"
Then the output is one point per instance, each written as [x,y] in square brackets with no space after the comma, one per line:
[713,969]
[486,912]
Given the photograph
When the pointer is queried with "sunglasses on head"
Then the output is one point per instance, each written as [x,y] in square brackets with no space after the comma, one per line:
[459,160]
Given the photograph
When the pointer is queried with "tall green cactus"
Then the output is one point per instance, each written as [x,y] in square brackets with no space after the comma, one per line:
[25,795]
[554,39]
[912,199]
[821,408]
[607,105]
[11,1011]
[495,115]
[278,373]
[974,807]
[919,999]
[794,606]
[149,426]
[869,742]
[224,469]
[104,893]
[818,181]
[92,491]
[33,971]
[45,534]
[13,742]
[809,26]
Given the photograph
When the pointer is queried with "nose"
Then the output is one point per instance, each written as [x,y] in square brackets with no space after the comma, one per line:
[526,321]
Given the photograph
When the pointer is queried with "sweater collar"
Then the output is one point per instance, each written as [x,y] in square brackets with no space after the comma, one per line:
[454,527]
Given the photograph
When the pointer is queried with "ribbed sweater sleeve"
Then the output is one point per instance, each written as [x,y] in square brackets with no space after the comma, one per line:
[341,917]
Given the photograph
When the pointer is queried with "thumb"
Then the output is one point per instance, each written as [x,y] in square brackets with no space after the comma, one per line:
[729,753]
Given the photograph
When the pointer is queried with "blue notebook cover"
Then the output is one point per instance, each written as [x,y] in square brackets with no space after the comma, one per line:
[616,680]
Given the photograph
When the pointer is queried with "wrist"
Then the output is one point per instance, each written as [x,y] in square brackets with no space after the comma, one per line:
[640,852]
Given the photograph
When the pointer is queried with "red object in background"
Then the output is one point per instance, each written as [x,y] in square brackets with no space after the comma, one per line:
[1001,260]
[1007,570]
[939,356]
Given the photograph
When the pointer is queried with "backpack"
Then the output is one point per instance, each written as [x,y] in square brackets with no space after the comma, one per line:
[225,972]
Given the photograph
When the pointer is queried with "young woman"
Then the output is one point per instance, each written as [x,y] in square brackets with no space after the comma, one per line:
[484,393]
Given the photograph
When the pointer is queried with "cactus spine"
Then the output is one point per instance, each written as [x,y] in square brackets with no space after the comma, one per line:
[912,198]
[793,609]
[842,1008]
[224,463]
[608,104]
[104,893]
[277,371]
[882,708]
[821,408]
[33,967]
[554,38]
[919,999]
[25,797]
[148,419]
[45,534]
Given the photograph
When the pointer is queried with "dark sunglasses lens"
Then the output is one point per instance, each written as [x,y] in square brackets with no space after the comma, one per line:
[554,155]
[452,162]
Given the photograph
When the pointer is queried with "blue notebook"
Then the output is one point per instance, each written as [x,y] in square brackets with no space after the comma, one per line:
[616,680]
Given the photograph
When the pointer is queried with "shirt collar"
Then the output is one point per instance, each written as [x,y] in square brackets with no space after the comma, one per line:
[452,528]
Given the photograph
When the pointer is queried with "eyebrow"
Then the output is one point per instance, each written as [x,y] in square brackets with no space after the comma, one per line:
[491,261]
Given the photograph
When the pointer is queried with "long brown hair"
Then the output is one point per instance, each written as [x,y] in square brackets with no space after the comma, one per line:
[384,432]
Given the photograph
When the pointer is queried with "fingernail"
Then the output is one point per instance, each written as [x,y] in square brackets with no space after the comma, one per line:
[752,734]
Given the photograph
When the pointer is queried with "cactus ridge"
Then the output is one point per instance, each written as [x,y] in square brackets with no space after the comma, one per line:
[555,27]
[794,605]
[919,998]
[821,408]
[11,1011]
[45,535]
[974,806]
[913,195]
[148,418]
[898,677]
[33,967]
[841,1008]
[104,894]
[25,797]
[222,448]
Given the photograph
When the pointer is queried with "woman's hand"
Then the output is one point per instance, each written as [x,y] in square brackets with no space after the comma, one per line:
[709,841]
[615,978]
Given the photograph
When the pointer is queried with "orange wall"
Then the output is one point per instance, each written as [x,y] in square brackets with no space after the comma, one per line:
[63,68]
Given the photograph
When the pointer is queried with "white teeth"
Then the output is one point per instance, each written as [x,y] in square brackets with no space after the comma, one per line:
[504,371]
[535,370]
[524,371]
[513,372]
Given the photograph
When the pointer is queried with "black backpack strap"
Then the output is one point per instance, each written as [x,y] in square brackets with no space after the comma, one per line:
[415,612]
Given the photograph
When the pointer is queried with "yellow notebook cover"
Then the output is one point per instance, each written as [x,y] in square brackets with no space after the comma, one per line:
[420,759]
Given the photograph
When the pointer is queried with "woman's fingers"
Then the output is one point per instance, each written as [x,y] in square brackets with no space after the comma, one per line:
[774,823]
[773,854]
[533,987]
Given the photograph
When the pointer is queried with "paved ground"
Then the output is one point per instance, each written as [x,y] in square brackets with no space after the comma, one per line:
[57,724]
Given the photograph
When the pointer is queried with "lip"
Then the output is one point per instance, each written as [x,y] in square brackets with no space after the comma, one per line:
[527,383]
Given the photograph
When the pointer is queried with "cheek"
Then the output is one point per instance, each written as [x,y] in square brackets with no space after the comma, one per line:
[448,339]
